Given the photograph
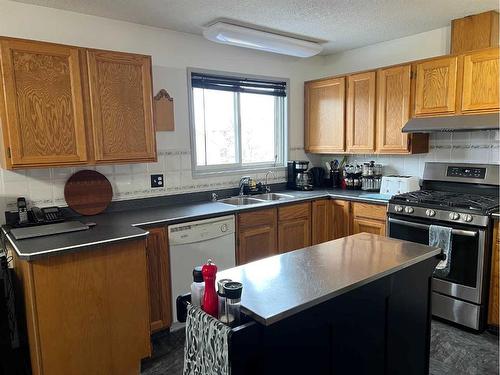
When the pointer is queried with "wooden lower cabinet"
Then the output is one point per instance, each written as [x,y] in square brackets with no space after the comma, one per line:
[321,221]
[341,219]
[369,218]
[493,308]
[257,235]
[159,279]
[87,312]
[294,227]
[360,225]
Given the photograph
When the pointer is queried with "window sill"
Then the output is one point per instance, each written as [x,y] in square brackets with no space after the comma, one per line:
[240,172]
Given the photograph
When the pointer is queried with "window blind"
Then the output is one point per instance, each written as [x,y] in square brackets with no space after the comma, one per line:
[235,84]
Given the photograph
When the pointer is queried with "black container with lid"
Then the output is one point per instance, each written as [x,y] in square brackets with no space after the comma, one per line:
[197,275]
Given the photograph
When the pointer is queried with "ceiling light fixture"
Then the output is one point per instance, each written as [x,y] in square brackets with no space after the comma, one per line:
[240,36]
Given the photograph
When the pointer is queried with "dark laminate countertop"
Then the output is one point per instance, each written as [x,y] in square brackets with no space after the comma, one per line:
[124,225]
[282,285]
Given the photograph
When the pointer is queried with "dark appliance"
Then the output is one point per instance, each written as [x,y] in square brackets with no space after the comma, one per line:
[462,197]
[318,176]
[298,178]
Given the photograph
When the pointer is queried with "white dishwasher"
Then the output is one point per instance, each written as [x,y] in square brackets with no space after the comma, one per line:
[192,244]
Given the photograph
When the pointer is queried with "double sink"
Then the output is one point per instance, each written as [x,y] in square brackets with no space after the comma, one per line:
[256,199]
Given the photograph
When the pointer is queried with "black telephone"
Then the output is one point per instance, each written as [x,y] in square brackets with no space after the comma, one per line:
[37,215]
[46,215]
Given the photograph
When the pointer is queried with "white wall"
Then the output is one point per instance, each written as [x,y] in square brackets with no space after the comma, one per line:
[172,53]
[473,147]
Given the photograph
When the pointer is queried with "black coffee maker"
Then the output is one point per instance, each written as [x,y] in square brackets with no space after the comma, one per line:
[298,177]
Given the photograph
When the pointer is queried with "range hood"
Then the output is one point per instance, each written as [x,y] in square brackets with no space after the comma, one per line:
[462,123]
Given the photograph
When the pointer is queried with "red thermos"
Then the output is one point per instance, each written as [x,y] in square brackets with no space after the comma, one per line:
[210,299]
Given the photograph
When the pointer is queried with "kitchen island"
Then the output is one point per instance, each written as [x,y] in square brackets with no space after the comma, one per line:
[356,305]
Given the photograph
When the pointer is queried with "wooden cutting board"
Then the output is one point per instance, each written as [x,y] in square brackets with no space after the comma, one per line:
[88,192]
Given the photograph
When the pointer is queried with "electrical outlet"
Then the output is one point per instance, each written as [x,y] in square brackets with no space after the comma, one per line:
[157,181]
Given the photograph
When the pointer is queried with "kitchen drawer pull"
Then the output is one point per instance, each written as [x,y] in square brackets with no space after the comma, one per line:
[458,232]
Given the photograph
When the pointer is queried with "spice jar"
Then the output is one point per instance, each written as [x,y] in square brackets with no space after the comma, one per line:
[222,299]
[233,290]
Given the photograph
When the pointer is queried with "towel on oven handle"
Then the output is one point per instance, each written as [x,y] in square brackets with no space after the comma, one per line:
[206,350]
[441,237]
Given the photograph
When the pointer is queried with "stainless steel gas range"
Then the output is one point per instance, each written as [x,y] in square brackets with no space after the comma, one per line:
[462,197]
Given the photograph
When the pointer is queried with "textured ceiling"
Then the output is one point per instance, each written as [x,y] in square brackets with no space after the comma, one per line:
[341,24]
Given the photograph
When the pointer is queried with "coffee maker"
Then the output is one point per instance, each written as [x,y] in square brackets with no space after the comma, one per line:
[298,177]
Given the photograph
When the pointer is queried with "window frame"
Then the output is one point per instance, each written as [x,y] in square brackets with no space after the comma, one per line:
[281,142]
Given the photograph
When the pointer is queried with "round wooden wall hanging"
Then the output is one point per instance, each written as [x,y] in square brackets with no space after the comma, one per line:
[88,192]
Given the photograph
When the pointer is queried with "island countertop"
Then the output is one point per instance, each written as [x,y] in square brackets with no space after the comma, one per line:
[283,285]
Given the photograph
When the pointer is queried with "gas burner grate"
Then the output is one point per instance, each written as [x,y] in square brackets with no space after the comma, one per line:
[467,201]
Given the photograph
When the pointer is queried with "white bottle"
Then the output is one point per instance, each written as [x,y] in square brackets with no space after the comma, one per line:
[197,287]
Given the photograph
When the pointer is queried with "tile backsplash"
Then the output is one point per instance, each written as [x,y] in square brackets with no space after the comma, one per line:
[45,187]
[464,147]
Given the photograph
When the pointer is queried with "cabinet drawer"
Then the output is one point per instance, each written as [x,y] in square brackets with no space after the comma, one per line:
[294,211]
[260,217]
[369,211]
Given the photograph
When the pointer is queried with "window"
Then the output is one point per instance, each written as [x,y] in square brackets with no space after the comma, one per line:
[237,123]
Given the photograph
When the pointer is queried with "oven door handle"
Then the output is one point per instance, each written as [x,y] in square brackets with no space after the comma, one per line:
[458,232]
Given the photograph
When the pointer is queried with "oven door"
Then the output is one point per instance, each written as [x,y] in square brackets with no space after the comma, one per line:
[465,278]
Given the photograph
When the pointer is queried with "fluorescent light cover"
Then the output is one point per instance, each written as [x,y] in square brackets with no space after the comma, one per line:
[226,33]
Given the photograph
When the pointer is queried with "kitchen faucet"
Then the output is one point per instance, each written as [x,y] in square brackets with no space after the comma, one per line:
[243,181]
[268,189]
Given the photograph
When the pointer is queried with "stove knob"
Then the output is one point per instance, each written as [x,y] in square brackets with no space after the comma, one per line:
[398,208]
[468,218]
[454,216]
[430,212]
[409,210]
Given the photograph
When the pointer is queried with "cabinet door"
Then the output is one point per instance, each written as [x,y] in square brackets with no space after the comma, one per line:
[44,117]
[324,115]
[480,81]
[159,279]
[368,225]
[294,234]
[393,109]
[361,113]
[321,221]
[435,88]
[257,235]
[340,219]
[121,98]
[494,308]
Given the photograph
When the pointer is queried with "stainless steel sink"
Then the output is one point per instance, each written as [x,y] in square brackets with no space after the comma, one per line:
[241,201]
[273,196]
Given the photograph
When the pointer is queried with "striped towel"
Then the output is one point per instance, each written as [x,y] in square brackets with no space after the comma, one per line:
[206,351]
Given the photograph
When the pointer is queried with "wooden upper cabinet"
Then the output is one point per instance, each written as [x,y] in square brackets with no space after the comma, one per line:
[474,32]
[159,279]
[436,86]
[42,118]
[361,94]
[324,115]
[393,108]
[121,101]
[480,81]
